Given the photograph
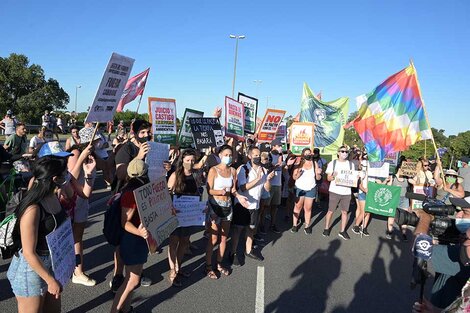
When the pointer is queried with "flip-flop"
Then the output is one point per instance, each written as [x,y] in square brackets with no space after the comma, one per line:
[223,270]
[211,273]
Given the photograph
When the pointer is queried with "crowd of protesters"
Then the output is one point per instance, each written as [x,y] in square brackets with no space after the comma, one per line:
[245,184]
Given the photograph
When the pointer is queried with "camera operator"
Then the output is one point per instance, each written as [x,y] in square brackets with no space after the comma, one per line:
[450,262]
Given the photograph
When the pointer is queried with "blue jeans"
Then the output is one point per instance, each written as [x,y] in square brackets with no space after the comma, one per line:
[25,282]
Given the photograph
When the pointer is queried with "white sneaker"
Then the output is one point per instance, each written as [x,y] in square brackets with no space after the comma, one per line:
[83,279]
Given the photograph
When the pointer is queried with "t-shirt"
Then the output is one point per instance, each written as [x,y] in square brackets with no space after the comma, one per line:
[254,194]
[126,153]
[277,179]
[465,173]
[10,126]
[339,190]
[128,202]
[35,141]
[16,145]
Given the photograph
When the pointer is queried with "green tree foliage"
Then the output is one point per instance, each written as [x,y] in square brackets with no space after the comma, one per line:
[25,90]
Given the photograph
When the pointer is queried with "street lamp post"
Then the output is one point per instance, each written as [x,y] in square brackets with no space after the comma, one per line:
[235,66]
[76,96]
[257,82]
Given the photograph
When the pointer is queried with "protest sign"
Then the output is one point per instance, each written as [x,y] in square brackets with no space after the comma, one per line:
[392,159]
[382,199]
[207,132]
[185,137]
[378,169]
[155,211]
[158,152]
[110,90]
[301,136]
[61,243]
[251,109]
[271,121]
[428,191]
[190,210]
[234,119]
[347,178]
[282,135]
[408,169]
[162,115]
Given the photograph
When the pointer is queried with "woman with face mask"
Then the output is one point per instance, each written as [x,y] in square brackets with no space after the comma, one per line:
[221,185]
[362,217]
[451,186]
[181,182]
[39,213]
[305,175]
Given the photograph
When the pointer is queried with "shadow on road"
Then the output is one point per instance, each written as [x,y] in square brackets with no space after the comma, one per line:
[317,274]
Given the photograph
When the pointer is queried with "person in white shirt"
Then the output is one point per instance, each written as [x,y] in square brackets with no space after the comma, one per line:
[339,196]
[362,217]
[252,178]
[305,175]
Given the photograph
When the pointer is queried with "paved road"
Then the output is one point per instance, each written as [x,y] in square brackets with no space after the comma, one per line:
[302,273]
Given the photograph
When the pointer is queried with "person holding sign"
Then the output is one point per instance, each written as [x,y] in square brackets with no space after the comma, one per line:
[38,214]
[181,182]
[133,247]
[221,185]
[305,175]
[450,187]
[340,196]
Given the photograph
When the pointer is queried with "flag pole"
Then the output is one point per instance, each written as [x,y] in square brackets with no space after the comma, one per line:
[427,121]
[138,105]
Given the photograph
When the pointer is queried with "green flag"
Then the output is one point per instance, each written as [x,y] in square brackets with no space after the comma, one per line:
[329,119]
[382,199]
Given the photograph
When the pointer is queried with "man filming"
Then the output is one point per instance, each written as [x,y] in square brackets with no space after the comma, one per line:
[450,262]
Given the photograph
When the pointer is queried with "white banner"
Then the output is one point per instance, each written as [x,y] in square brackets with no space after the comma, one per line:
[110,90]
[158,152]
[378,171]
[61,247]
[155,211]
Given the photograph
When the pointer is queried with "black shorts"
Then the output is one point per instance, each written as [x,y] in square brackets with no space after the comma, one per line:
[244,217]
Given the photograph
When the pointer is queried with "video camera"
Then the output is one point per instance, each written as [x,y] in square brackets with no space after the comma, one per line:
[442,226]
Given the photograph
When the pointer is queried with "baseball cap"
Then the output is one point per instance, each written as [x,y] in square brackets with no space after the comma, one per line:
[52,148]
[137,168]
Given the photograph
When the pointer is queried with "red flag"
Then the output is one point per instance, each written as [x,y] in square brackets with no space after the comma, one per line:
[135,87]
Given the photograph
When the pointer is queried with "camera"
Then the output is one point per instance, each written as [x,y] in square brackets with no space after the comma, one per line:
[442,226]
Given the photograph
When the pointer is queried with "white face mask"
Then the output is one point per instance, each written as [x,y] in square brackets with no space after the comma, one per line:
[462,224]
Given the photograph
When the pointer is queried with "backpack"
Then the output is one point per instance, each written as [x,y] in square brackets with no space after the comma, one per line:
[112,227]
[7,244]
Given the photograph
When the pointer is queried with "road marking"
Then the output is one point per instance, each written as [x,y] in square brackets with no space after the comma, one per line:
[259,305]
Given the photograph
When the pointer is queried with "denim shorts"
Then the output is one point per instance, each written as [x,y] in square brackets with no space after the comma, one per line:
[133,249]
[312,193]
[25,282]
[361,196]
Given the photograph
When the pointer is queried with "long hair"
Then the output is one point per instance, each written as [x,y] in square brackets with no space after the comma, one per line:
[43,170]
[180,184]
[302,155]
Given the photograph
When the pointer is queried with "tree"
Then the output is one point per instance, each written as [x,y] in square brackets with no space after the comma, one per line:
[351,137]
[24,89]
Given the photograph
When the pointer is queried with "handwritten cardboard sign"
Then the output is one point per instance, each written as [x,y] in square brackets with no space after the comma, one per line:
[60,243]
[347,178]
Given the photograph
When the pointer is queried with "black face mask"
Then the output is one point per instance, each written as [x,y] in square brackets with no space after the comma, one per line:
[144,139]
[256,161]
[274,152]
[464,259]
[316,156]
[308,157]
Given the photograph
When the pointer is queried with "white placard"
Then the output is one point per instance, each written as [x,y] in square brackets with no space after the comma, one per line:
[190,210]
[155,210]
[61,247]
[158,152]
[347,178]
[110,90]
[378,171]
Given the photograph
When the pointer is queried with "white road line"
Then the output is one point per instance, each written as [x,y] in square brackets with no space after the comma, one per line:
[259,305]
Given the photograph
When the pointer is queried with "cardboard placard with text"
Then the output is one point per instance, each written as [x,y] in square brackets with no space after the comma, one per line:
[207,132]
[234,119]
[185,138]
[301,136]
[162,115]
[268,128]
[251,109]
[409,169]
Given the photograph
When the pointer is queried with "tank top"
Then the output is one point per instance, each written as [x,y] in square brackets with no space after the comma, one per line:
[222,183]
[306,181]
[47,223]
[190,186]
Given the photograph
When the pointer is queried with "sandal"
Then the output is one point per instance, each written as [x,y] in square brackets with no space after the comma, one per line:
[210,272]
[223,270]
[174,279]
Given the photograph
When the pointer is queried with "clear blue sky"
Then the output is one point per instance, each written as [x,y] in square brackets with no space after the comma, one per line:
[343,48]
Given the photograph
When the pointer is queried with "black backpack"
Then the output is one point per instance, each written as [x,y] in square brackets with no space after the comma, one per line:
[112,227]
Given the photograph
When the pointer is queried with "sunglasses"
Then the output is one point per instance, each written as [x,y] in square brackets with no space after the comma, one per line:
[342,151]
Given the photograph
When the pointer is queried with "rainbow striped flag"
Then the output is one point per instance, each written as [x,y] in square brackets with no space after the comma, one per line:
[391,118]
